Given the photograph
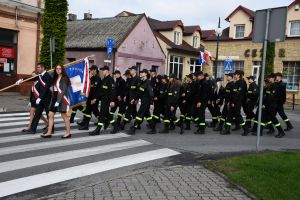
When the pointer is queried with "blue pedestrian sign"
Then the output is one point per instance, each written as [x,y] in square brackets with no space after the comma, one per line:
[110,44]
[228,66]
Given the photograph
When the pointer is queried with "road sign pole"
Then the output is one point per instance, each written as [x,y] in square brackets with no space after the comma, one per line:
[50,52]
[262,77]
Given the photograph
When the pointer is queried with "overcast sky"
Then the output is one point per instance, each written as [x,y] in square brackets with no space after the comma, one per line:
[192,12]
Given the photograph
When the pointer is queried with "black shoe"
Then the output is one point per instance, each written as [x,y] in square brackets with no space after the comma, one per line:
[288,128]
[200,132]
[131,131]
[115,129]
[46,136]
[138,127]
[219,128]
[29,131]
[270,131]
[151,131]
[188,126]
[96,131]
[84,127]
[81,123]
[280,135]
[181,129]
[164,130]
[106,125]
[122,125]
[226,131]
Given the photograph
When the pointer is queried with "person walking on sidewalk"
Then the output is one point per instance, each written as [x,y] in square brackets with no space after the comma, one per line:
[282,100]
[59,101]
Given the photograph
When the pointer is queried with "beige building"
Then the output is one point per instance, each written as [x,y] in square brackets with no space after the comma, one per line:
[20,30]
[180,44]
[236,43]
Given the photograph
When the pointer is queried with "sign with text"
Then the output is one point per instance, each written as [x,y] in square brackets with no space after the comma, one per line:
[110,44]
[7,52]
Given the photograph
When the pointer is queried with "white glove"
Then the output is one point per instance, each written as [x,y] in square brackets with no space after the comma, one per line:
[56,104]
[19,81]
[38,100]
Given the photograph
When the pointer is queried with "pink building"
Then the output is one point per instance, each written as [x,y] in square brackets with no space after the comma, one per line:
[135,43]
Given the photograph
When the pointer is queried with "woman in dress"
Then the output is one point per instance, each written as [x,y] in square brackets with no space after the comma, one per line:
[59,101]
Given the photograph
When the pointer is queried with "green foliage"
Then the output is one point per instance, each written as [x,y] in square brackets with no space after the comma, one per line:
[269,176]
[54,24]
[270,58]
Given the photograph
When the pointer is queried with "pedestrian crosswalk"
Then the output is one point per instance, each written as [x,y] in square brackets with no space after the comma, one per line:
[28,162]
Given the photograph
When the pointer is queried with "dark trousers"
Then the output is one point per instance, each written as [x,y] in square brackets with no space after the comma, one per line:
[142,113]
[43,105]
[91,108]
[249,111]
[122,109]
[104,112]
[200,115]
[235,111]
[170,116]
[280,110]
[157,110]
[130,112]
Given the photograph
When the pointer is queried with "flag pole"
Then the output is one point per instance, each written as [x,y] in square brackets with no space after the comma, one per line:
[28,79]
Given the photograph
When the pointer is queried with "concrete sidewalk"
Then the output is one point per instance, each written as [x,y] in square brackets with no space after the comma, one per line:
[13,102]
[171,183]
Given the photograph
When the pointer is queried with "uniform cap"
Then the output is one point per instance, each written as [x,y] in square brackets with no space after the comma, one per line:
[104,68]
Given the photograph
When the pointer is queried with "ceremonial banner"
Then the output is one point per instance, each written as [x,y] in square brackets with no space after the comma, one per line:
[80,82]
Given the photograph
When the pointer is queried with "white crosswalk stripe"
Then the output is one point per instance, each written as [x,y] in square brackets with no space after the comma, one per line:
[29,162]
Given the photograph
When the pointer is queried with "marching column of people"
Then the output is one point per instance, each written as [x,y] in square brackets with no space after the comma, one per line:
[146,95]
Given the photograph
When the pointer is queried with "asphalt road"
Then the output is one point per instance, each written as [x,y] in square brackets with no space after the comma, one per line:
[32,167]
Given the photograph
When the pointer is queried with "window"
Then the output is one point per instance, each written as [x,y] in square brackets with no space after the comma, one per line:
[154,67]
[91,62]
[239,31]
[176,66]
[237,65]
[195,42]
[295,28]
[195,66]
[291,75]
[177,37]
[138,66]
[7,59]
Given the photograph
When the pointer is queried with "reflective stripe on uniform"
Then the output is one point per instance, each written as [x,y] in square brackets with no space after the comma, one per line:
[133,87]
[242,124]
[89,116]
[170,94]
[100,124]
[202,124]
[120,115]
[167,121]
[142,89]
[104,87]
[277,125]
[112,121]
[154,116]
[286,120]
[138,118]
[227,123]
[149,118]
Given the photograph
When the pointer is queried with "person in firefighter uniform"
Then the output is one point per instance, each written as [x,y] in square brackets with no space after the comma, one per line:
[145,94]
[106,95]
[91,103]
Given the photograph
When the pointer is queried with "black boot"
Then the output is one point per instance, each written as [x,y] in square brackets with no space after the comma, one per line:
[85,126]
[96,131]
[226,131]
[115,128]
[289,126]
[165,129]
[246,130]
[281,133]
[220,127]
[188,125]
[72,117]
[254,131]
[122,125]
[82,122]
[248,124]
[181,126]
[152,128]
[271,129]
[131,131]
[237,127]
[172,126]
[213,123]
[200,131]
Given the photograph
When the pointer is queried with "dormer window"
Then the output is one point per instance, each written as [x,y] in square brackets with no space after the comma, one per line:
[177,37]
[240,31]
[195,41]
[295,28]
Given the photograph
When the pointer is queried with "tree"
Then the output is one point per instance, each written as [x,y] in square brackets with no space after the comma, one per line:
[270,58]
[54,24]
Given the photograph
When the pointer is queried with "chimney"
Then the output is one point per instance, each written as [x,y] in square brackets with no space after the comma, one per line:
[72,17]
[87,16]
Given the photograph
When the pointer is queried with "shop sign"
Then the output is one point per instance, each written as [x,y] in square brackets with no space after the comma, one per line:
[6,52]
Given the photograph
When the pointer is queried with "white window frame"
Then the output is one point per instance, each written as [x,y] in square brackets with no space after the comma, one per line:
[235,33]
[177,37]
[194,62]
[290,28]
[287,76]
[173,62]
[195,41]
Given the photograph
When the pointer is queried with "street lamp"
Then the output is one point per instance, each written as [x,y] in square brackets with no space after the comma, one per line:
[218,32]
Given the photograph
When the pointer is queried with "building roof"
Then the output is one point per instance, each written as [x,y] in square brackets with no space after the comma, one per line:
[94,33]
[125,14]
[157,25]
[247,11]
[294,3]
[189,30]
[207,33]
[210,35]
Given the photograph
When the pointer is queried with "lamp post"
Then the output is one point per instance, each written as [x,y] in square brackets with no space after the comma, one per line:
[218,32]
